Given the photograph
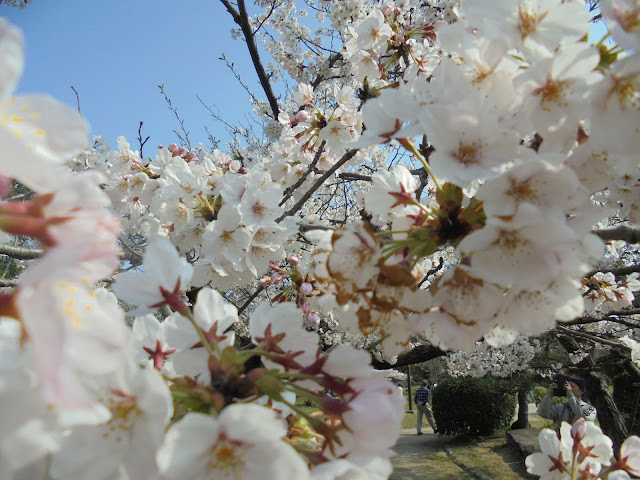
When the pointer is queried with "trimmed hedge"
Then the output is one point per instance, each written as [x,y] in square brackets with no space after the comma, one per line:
[466,406]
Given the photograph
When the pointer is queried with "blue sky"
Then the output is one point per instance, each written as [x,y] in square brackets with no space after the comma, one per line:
[116,52]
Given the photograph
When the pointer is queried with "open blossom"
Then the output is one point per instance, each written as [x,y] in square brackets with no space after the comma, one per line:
[635,348]
[557,90]
[536,27]
[582,448]
[542,245]
[76,334]
[164,273]
[245,441]
[36,129]
[214,317]
[125,445]
[623,20]
[373,32]
[391,192]
[469,142]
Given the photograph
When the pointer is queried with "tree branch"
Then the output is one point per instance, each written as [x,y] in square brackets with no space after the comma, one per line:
[241,18]
[293,210]
[354,176]
[251,299]
[420,353]
[20,253]
[289,191]
[588,336]
[628,234]
[615,270]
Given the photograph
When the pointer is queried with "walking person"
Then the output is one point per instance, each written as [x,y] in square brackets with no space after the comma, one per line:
[422,399]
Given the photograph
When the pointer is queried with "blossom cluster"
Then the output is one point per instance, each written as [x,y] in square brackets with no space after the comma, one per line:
[583,451]
[528,137]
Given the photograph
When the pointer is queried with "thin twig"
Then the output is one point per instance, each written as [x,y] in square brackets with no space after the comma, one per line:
[293,210]
[289,191]
[184,138]
[77,98]
[140,138]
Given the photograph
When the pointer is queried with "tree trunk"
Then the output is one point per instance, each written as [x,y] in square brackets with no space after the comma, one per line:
[611,421]
[523,411]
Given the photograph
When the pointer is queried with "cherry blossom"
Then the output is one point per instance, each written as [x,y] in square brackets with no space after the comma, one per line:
[242,442]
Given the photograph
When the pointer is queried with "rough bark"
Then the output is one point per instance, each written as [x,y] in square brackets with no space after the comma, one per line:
[419,354]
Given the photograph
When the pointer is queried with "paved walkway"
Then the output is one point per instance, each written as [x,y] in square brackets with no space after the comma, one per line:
[419,457]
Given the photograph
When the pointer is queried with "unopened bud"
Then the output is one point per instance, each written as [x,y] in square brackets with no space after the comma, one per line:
[306,288]
[190,156]
[172,148]
[160,147]
[294,260]
[264,281]
[579,430]
[301,116]
[305,307]
[243,171]
[313,318]
[278,277]
[387,10]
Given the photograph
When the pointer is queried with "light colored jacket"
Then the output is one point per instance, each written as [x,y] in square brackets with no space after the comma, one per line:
[569,411]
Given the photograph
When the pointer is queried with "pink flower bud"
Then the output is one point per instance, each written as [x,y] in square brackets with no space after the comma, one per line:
[277,277]
[387,10]
[313,318]
[243,170]
[160,147]
[181,150]
[306,288]
[190,156]
[301,116]
[172,148]
[293,260]
[264,281]
[578,430]
[305,307]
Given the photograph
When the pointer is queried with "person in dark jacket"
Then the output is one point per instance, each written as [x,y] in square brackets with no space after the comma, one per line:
[422,399]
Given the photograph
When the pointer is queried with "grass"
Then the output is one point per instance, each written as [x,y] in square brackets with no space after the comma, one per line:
[450,458]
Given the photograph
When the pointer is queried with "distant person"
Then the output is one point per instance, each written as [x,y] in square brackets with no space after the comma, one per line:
[530,397]
[571,410]
[422,399]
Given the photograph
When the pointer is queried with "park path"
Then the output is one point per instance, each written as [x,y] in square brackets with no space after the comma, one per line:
[424,457]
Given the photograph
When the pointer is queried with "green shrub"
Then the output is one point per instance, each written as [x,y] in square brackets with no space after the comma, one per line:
[538,393]
[468,406]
